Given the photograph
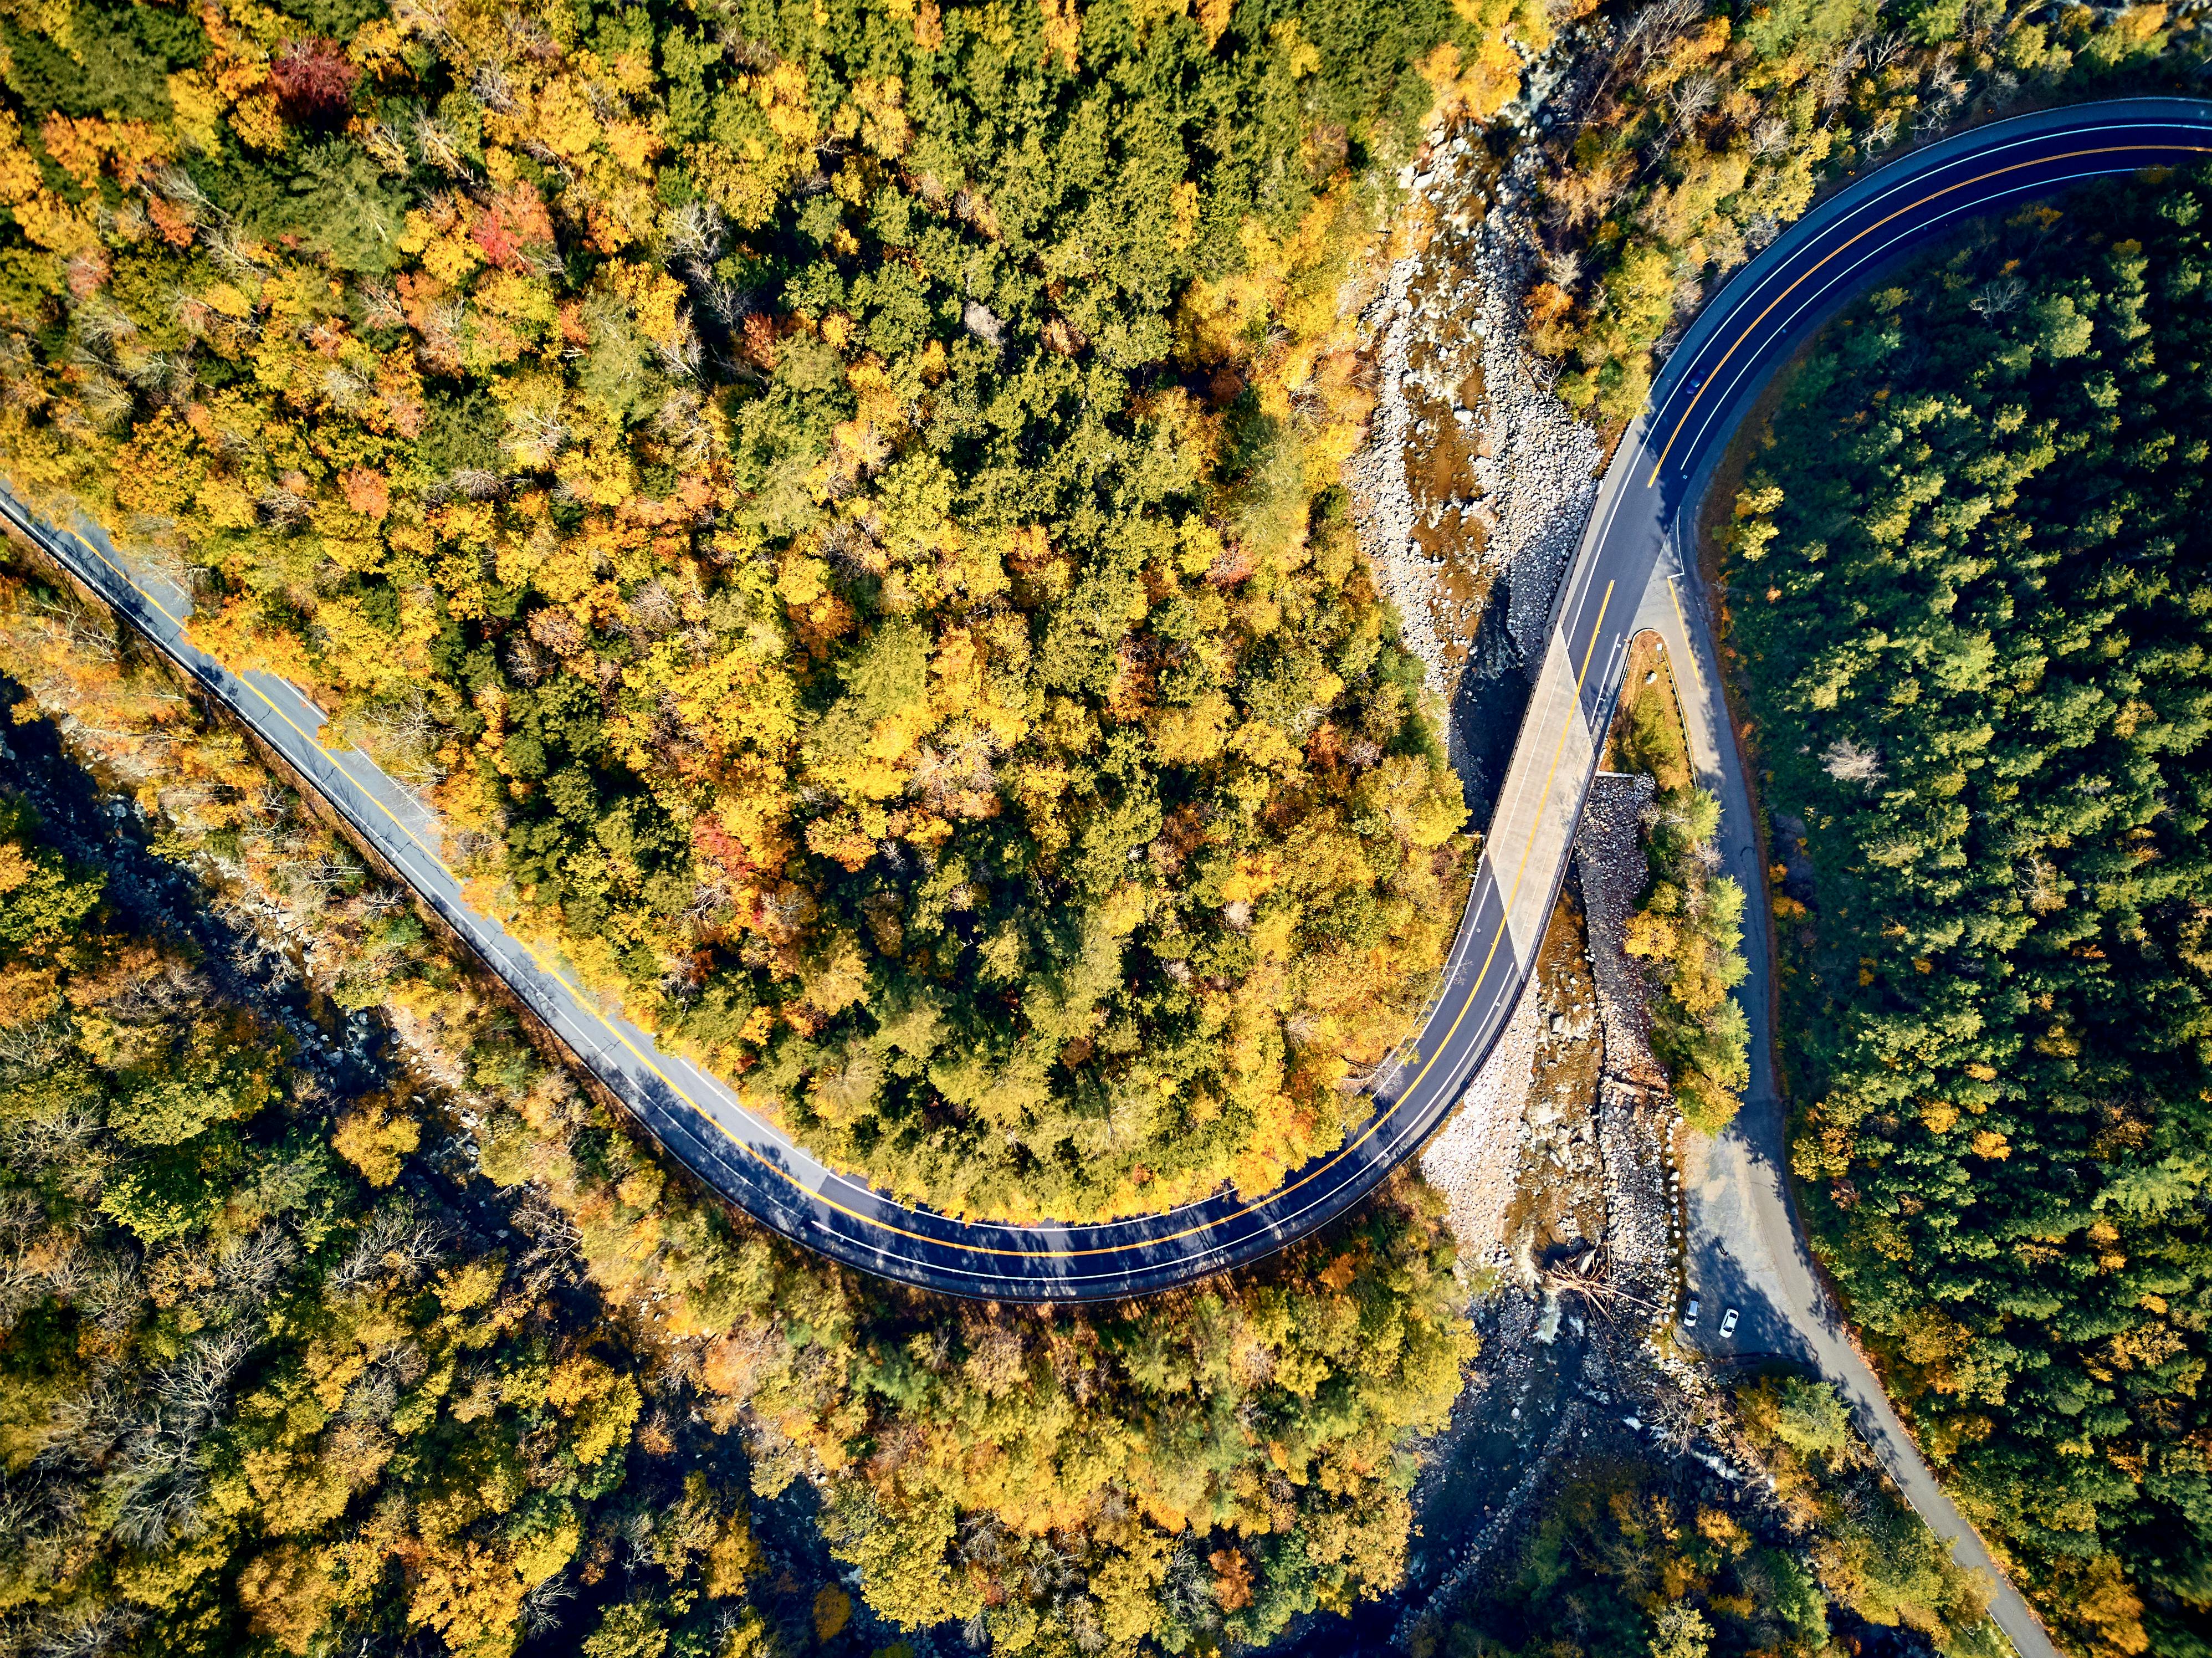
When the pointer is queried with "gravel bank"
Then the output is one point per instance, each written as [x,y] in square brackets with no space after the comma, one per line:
[1609,859]
[1473,489]
[1474,1159]
[1474,475]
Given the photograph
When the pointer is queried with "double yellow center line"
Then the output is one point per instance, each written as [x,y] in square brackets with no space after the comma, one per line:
[876,1222]
[1810,270]
[1512,894]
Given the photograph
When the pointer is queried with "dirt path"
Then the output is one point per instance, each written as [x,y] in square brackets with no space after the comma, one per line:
[1747,1250]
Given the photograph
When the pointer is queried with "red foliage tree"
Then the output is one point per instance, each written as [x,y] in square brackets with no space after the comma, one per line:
[512,226]
[314,80]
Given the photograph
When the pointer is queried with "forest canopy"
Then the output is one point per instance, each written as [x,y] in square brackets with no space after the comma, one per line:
[839,501]
[1634,1556]
[1168,1474]
[1705,128]
[1968,583]
[264,1373]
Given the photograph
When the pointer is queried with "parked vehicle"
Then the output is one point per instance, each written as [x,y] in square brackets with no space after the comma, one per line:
[1690,1314]
[1727,1324]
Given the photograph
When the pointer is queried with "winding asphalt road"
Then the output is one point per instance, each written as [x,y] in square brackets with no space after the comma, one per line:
[1746,1248]
[1619,575]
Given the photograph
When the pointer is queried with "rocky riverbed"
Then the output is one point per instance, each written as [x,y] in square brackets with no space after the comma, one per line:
[1475,482]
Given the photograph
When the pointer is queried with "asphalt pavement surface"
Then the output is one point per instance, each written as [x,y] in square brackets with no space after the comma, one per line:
[1623,565]
[1746,1249]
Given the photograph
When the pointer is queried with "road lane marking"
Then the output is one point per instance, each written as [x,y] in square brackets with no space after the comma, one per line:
[126,577]
[1910,207]
[578,1000]
[1505,914]
[576,996]
[1683,626]
[1933,169]
[1983,205]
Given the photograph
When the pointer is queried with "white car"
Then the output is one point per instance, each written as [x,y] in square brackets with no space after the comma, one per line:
[1690,1314]
[1728,1323]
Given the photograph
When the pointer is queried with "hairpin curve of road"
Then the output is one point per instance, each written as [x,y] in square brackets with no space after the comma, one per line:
[1619,579]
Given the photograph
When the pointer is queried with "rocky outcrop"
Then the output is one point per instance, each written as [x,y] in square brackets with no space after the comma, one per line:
[1449,318]
[1609,859]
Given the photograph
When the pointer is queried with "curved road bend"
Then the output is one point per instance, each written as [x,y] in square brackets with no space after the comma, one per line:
[1746,1248]
[1741,335]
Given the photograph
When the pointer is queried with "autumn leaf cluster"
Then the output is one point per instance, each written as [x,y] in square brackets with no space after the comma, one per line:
[1174,1472]
[836,506]
[1705,128]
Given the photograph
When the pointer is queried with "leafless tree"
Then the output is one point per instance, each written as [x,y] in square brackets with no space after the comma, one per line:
[681,423]
[102,324]
[380,306]
[492,86]
[524,660]
[441,328]
[1647,35]
[193,1390]
[86,1630]
[401,736]
[2039,885]
[155,1487]
[386,147]
[1887,50]
[1998,295]
[476,483]
[725,304]
[85,631]
[346,389]
[174,184]
[107,403]
[249,1272]
[424,17]
[652,609]
[542,1603]
[1693,95]
[394,1240]
[538,432]
[1770,138]
[693,235]
[1847,762]
[111,1295]
[29,1276]
[1836,76]
[25,1050]
[376,1393]
[680,352]
[231,252]
[283,509]
[440,147]
[555,1243]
